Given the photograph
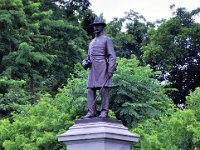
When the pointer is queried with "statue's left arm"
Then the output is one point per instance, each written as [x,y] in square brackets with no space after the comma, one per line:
[111,56]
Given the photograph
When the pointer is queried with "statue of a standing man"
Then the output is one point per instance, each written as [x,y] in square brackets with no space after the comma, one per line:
[102,57]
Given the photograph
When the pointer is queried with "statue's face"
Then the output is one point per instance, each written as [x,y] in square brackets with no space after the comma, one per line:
[98,28]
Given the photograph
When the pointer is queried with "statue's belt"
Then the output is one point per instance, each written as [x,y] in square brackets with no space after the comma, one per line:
[97,55]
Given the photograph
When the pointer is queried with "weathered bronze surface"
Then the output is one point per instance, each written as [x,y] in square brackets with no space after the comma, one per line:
[102,57]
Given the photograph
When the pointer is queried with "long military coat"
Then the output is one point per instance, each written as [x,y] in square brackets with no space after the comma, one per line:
[103,58]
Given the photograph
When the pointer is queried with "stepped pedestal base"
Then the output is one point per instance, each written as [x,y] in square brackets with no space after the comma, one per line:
[98,134]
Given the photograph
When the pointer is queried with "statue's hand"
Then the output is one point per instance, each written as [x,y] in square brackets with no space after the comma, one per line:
[86,64]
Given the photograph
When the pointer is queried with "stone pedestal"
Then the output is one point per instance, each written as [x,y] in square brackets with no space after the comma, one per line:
[98,134]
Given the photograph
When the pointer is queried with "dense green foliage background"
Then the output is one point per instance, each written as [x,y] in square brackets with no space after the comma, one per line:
[43,86]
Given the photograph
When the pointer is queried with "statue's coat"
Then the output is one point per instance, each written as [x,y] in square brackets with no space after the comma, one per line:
[103,58]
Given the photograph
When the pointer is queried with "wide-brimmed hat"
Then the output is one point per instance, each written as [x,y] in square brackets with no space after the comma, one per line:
[98,21]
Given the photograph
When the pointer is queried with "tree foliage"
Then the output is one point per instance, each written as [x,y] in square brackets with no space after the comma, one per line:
[36,126]
[13,96]
[136,95]
[174,50]
[40,43]
[129,34]
[177,130]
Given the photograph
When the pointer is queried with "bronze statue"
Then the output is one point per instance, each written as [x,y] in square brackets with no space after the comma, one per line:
[101,61]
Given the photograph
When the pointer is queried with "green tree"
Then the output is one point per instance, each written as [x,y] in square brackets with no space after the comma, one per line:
[13,96]
[87,18]
[129,34]
[121,39]
[36,126]
[39,47]
[179,129]
[174,50]
[19,58]
[136,95]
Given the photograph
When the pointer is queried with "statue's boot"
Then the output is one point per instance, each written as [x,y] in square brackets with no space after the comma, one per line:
[88,115]
[103,114]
